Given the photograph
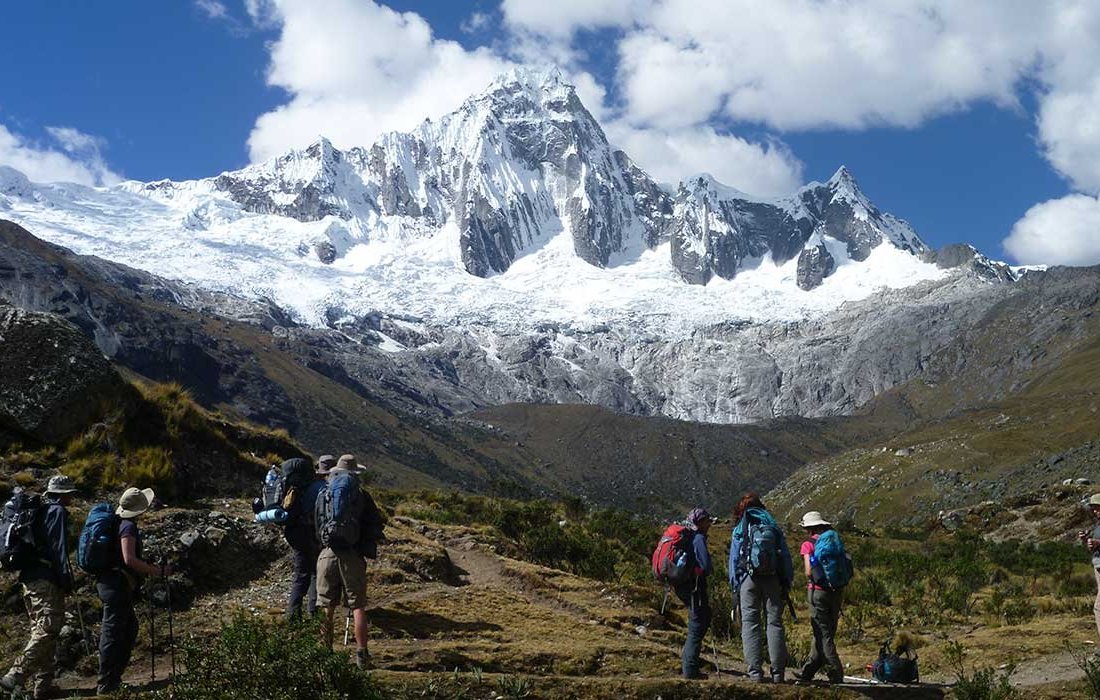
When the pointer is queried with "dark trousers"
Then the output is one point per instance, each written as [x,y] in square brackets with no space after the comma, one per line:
[824,615]
[303,584]
[119,630]
[698,605]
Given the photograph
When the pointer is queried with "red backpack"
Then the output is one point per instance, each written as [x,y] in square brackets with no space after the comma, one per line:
[674,559]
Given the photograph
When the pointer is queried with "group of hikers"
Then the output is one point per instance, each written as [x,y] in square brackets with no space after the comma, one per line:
[761,575]
[330,523]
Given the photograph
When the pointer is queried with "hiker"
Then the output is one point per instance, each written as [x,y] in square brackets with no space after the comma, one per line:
[1092,542]
[825,602]
[694,595]
[46,582]
[760,574]
[118,588]
[349,527]
[303,485]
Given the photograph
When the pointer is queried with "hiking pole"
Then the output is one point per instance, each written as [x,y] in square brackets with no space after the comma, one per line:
[664,601]
[790,606]
[347,627]
[152,640]
[171,631]
[83,632]
[714,646]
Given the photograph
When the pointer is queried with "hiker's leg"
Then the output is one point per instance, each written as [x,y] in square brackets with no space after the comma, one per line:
[777,638]
[831,615]
[305,564]
[329,591]
[751,640]
[113,630]
[689,655]
[817,657]
[1096,605]
[362,627]
[47,607]
[311,594]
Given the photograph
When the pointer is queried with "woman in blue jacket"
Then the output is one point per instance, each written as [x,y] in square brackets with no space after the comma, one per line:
[761,572]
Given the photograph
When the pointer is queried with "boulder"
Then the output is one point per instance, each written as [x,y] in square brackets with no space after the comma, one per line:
[56,381]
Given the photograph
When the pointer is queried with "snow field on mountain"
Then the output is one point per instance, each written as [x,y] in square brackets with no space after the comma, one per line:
[258,255]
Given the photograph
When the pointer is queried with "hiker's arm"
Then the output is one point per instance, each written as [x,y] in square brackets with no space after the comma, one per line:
[59,547]
[130,559]
[702,556]
[807,566]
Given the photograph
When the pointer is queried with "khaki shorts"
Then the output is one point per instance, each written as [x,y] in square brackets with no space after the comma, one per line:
[340,574]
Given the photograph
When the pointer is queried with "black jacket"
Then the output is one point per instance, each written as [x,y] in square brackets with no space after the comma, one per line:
[52,535]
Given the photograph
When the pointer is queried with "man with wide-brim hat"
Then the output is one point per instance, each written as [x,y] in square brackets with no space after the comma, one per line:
[117,589]
[325,464]
[1092,542]
[46,583]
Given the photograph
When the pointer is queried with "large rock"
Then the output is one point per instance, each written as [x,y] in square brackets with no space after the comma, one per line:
[56,381]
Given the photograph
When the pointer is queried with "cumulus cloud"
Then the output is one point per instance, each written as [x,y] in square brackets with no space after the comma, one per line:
[563,17]
[355,70]
[671,156]
[74,157]
[1062,231]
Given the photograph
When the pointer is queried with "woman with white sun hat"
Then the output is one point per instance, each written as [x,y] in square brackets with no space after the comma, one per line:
[118,587]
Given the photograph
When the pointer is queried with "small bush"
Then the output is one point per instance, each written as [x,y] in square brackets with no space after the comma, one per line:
[978,683]
[249,659]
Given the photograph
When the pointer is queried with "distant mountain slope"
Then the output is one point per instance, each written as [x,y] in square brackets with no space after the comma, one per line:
[1010,408]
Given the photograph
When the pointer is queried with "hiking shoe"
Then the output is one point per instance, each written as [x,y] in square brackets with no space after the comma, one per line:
[362,659]
[11,681]
[759,679]
[778,679]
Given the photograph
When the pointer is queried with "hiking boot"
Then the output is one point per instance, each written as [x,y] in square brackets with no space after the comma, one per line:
[362,659]
[778,678]
[11,681]
[759,679]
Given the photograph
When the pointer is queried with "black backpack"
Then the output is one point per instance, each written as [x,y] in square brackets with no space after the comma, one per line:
[18,542]
[894,668]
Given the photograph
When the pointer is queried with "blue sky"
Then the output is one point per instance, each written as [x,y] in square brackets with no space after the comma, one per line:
[961,142]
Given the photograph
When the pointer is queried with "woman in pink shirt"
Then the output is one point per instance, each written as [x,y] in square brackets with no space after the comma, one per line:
[824,609]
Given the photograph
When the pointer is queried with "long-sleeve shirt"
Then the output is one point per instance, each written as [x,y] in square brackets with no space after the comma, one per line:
[52,535]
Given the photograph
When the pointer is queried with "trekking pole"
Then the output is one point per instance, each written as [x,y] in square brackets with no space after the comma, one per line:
[790,606]
[83,632]
[714,646]
[347,627]
[171,631]
[664,601]
[152,641]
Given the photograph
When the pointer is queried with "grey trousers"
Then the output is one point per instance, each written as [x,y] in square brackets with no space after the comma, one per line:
[762,604]
[824,614]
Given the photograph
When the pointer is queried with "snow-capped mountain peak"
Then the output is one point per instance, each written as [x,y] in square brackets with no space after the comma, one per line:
[519,183]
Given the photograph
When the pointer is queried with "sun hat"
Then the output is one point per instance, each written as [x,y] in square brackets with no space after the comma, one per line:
[60,484]
[347,463]
[813,519]
[1095,500]
[325,463]
[134,502]
[697,515]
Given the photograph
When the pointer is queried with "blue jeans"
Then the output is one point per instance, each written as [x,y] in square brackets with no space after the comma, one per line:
[698,605]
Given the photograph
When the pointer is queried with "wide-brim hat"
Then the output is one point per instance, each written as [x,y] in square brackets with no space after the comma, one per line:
[813,519]
[1094,500]
[347,463]
[134,502]
[325,464]
[61,485]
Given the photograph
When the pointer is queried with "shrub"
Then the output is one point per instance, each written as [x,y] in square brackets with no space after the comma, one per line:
[249,659]
[978,684]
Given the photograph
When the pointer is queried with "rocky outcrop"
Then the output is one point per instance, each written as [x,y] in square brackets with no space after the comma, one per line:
[814,265]
[56,382]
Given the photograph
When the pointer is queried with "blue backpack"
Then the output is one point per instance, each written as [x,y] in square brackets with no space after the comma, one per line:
[760,550]
[99,549]
[830,565]
[338,512]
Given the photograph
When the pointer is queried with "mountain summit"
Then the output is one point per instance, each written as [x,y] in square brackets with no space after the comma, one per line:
[513,210]
[524,161]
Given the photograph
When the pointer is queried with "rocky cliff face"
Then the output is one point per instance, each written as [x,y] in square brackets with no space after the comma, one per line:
[520,163]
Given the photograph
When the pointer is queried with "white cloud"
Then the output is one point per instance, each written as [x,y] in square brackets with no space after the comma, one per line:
[562,17]
[671,156]
[476,22]
[79,159]
[213,9]
[355,70]
[1062,231]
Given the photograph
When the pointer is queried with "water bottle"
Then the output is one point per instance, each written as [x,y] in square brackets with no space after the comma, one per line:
[275,515]
[271,487]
